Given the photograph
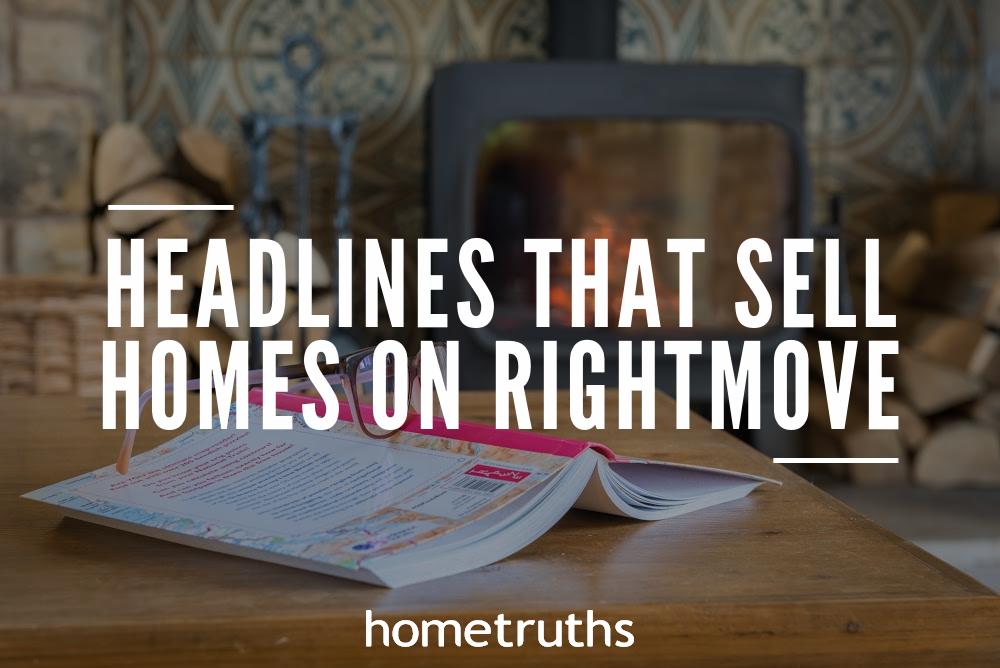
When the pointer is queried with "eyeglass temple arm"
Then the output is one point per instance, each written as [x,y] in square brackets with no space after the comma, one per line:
[306,384]
[125,454]
[253,378]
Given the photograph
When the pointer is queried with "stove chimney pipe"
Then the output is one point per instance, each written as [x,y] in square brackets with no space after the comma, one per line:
[583,30]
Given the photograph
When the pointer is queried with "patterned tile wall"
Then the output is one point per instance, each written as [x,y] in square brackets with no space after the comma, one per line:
[893,85]
[206,62]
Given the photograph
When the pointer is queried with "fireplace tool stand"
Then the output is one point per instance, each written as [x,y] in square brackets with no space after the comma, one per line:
[262,214]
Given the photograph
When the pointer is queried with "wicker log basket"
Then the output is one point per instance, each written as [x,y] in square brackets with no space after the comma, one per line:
[52,331]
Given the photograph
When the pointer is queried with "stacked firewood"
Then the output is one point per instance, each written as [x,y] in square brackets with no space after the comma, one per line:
[201,170]
[941,278]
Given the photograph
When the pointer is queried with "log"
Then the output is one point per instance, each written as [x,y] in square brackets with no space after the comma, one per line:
[979,257]
[913,428]
[290,246]
[963,343]
[904,263]
[238,247]
[820,442]
[819,410]
[931,387]
[907,313]
[859,388]
[975,297]
[985,360]
[961,453]
[986,409]
[241,332]
[123,159]
[880,443]
[188,225]
[166,192]
[962,215]
[202,160]
[857,440]
[192,264]
[180,300]
[101,233]
[965,279]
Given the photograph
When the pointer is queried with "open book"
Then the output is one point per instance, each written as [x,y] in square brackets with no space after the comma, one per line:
[423,504]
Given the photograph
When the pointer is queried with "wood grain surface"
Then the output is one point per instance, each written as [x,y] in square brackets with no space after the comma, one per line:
[787,576]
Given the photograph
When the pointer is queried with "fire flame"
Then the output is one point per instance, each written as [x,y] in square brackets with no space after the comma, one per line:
[619,232]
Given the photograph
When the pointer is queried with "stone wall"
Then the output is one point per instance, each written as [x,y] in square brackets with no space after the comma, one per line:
[59,85]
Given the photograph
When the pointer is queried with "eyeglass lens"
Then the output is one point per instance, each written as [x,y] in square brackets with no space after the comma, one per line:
[403,375]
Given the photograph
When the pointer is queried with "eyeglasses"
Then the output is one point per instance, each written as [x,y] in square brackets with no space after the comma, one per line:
[355,373]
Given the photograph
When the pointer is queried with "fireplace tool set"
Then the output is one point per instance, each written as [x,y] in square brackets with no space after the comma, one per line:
[301,58]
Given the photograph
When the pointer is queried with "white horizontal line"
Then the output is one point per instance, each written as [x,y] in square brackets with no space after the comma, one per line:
[170,207]
[836,460]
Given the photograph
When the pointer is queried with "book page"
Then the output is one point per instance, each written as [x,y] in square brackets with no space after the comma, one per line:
[650,490]
[334,496]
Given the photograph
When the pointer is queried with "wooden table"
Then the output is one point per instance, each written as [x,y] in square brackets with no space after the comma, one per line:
[787,576]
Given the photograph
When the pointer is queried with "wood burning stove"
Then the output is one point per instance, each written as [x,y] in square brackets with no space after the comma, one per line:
[616,151]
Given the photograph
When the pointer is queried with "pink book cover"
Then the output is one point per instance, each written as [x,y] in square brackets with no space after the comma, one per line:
[466,431]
